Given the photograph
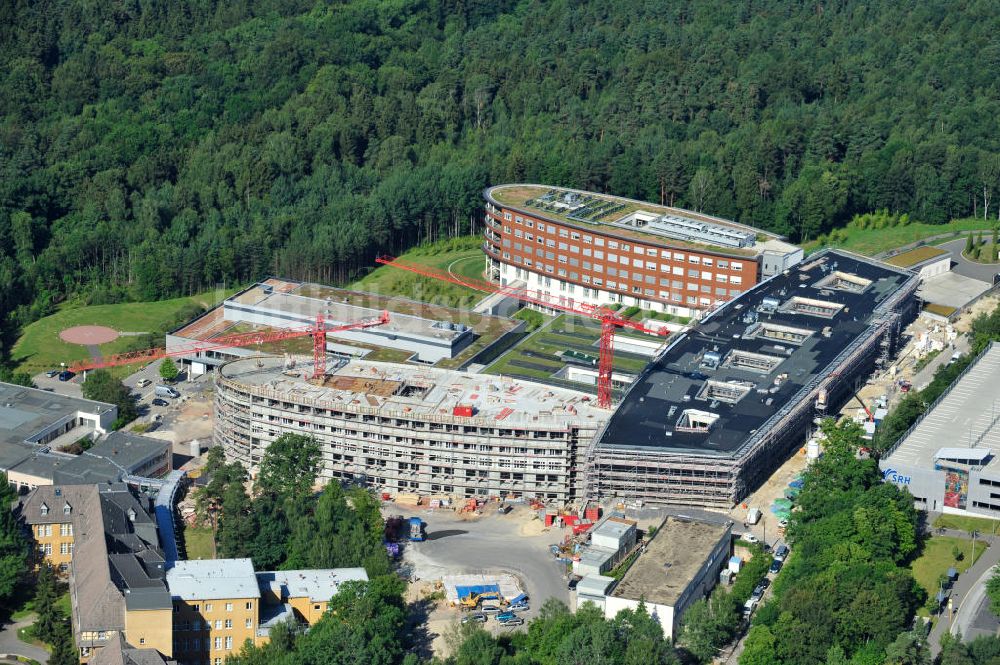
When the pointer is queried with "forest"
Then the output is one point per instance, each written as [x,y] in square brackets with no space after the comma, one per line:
[152,149]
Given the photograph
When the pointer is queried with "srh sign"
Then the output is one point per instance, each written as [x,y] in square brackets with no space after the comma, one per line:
[893,476]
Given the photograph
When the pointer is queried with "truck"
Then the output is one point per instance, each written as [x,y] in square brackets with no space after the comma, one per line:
[753,515]
[416,530]
[166,391]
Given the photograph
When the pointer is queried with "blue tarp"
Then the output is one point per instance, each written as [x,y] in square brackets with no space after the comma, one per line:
[466,591]
[797,484]
[520,599]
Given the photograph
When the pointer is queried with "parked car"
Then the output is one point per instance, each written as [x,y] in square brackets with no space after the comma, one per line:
[758,593]
[52,373]
[504,509]
[514,622]
[160,402]
[504,617]
[520,607]
[750,538]
[775,567]
[490,609]
[764,583]
[142,383]
[749,607]
[572,584]
[66,375]
[781,552]
[478,617]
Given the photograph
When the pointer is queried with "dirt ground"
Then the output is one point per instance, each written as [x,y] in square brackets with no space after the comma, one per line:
[773,488]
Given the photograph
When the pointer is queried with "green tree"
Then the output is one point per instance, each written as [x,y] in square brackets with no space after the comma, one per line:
[235,533]
[758,648]
[993,593]
[48,623]
[969,244]
[289,467]
[168,370]
[101,386]
[13,545]
[63,648]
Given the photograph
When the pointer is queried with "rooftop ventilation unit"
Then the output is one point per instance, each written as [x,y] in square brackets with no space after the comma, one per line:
[778,333]
[844,281]
[729,392]
[752,362]
[672,225]
[695,421]
[812,307]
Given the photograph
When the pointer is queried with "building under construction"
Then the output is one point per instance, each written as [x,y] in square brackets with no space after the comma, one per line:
[727,401]
[403,428]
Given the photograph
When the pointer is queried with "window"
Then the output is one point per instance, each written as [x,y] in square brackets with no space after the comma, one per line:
[563,233]
[142,640]
[599,242]
[706,275]
[44,509]
[249,622]
[229,607]
[249,605]
[229,624]
[664,267]
[518,219]
[694,259]
[706,261]
[612,244]
[721,278]
[218,642]
[723,264]
[678,270]
[636,263]
[678,256]
[67,509]
[217,661]
[737,266]
[588,239]
[623,260]
[736,279]
[563,246]
[64,548]
[229,641]
[530,224]
[196,608]
[315,607]
[625,247]
[693,273]
[208,607]
[650,252]
[650,265]
[218,624]
[47,549]
[507,216]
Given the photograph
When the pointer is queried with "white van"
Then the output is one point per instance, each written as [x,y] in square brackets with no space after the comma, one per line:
[753,515]
[749,607]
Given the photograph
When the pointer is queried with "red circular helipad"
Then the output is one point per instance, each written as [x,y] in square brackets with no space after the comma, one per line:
[88,335]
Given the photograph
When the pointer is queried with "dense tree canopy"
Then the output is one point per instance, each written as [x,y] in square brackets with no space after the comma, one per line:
[152,149]
[847,590]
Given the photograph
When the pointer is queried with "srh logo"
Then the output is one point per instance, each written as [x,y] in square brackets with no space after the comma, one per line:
[893,476]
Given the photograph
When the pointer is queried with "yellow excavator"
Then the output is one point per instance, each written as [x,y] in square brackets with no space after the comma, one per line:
[473,600]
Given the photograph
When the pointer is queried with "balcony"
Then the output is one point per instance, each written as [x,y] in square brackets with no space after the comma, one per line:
[491,250]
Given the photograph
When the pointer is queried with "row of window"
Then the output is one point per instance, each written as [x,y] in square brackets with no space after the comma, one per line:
[209,607]
[195,644]
[599,241]
[198,624]
[45,530]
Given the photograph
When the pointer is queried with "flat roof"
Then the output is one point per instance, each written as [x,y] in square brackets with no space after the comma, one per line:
[317,585]
[405,390]
[593,585]
[967,416]
[24,412]
[916,256]
[796,324]
[617,210]
[212,579]
[671,560]
[612,528]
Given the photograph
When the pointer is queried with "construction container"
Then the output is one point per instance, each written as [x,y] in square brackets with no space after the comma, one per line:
[592,513]
[570,520]
[550,518]
[463,410]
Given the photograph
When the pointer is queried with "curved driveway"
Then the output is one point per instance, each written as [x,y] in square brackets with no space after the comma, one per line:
[11,644]
[966,268]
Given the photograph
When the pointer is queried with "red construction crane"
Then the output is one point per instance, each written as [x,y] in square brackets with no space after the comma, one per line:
[609,318]
[317,331]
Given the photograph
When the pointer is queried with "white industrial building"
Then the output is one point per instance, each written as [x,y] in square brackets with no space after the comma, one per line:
[680,565]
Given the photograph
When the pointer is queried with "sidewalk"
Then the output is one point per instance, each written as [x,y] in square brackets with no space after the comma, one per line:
[12,645]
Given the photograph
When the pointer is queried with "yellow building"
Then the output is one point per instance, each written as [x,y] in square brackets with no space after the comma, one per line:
[305,592]
[50,513]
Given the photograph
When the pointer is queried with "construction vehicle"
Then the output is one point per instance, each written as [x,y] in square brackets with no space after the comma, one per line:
[473,600]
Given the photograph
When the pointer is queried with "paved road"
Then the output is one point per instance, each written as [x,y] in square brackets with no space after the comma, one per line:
[489,544]
[962,266]
[971,613]
[10,644]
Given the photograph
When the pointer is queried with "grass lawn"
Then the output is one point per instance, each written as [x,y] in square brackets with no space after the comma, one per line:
[536,357]
[463,257]
[964,523]
[64,604]
[937,557]
[39,347]
[199,542]
[874,241]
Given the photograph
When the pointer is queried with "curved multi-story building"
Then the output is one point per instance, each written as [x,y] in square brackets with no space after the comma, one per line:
[583,247]
[401,428]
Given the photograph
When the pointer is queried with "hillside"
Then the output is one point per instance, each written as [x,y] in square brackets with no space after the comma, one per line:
[152,150]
